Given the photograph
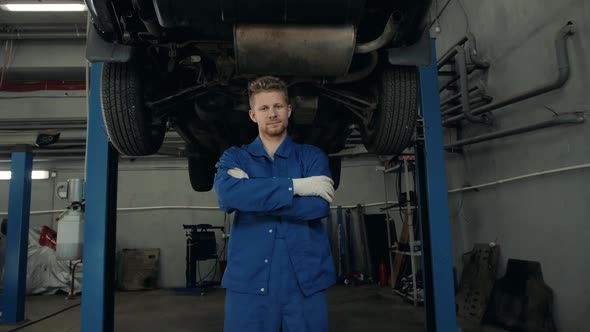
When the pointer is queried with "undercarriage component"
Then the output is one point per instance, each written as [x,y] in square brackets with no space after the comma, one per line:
[358,105]
[304,109]
[294,50]
[174,13]
[382,40]
[361,73]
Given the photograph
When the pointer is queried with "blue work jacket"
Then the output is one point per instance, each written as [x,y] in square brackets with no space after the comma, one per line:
[265,208]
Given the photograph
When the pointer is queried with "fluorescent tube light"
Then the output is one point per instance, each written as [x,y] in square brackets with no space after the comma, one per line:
[36,175]
[44,7]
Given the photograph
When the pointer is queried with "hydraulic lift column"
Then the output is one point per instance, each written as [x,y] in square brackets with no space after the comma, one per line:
[17,236]
[98,289]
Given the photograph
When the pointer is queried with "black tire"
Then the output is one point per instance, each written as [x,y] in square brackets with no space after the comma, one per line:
[335,165]
[392,127]
[131,127]
[201,172]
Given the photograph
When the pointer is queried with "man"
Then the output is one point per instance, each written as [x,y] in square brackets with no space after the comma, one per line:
[279,257]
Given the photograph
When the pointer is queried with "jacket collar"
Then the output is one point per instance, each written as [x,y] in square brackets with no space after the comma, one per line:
[256,148]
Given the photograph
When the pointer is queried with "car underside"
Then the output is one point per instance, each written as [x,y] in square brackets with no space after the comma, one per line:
[184,66]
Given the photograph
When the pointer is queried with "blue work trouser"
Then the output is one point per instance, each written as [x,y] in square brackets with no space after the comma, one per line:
[284,305]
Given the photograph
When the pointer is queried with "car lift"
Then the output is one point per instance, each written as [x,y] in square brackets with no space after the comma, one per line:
[101,196]
[12,301]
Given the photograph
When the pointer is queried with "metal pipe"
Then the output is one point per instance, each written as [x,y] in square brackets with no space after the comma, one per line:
[72,295]
[555,121]
[461,63]
[456,96]
[475,103]
[521,177]
[448,84]
[563,76]
[382,40]
[38,35]
[360,74]
[472,102]
[446,73]
[40,127]
[473,55]
[450,54]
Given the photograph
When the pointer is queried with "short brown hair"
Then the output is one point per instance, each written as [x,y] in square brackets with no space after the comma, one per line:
[267,83]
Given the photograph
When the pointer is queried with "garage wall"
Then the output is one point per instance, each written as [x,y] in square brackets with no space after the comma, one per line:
[166,183]
[544,218]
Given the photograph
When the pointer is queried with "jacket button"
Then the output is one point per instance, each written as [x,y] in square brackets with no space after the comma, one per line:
[270,230]
[266,261]
[290,189]
[262,290]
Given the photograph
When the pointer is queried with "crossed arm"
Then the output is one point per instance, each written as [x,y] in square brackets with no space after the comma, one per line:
[269,196]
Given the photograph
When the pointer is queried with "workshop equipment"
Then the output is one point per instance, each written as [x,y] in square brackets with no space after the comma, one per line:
[70,227]
[138,269]
[200,246]
[48,237]
[341,245]
[349,244]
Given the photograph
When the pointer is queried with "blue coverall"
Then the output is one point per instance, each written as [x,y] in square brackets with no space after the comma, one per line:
[279,258]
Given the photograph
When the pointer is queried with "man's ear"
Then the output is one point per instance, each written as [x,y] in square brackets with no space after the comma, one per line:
[252,115]
[290,108]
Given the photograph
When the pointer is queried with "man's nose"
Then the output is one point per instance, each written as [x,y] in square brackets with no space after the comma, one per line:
[272,113]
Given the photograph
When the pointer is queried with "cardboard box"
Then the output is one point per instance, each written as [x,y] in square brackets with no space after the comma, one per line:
[138,269]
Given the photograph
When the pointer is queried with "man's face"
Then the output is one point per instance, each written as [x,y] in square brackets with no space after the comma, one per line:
[271,113]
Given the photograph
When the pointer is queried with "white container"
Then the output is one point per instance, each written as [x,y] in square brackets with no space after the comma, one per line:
[70,236]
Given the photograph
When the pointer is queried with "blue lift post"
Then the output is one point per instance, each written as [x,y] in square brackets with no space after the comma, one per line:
[98,291]
[434,210]
[17,236]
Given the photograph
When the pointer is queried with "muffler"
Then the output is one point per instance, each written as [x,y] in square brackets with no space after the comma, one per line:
[294,50]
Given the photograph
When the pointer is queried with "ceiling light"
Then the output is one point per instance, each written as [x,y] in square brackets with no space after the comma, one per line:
[43,7]
[35,175]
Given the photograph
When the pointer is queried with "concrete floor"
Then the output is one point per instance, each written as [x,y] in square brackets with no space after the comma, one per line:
[350,309]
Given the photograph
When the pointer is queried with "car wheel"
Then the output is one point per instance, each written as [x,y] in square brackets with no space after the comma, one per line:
[335,165]
[201,172]
[131,127]
[392,126]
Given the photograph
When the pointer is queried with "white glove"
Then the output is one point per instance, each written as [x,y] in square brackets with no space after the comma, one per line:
[321,186]
[238,173]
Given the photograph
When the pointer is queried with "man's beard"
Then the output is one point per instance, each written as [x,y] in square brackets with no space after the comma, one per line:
[276,130]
